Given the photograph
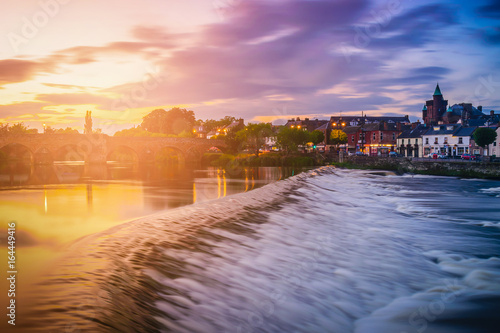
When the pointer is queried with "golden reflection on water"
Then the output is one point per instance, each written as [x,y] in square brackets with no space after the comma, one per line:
[51,217]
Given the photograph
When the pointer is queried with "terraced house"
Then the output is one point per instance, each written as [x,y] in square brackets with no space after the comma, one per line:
[451,140]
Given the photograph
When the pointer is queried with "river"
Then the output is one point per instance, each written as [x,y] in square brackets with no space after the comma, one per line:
[327,250]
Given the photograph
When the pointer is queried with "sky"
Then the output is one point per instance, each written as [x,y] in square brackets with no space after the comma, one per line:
[267,60]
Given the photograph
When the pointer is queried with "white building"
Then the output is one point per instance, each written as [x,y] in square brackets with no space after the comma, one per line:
[494,148]
[410,143]
[451,140]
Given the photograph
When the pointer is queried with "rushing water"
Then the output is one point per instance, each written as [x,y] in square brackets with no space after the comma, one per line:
[54,205]
[326,251]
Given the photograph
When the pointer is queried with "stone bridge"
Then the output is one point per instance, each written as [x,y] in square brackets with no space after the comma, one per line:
[97,148]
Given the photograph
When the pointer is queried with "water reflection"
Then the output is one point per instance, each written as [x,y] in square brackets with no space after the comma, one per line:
[57,204]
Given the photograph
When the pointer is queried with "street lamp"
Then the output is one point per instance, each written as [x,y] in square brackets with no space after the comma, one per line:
[43,128]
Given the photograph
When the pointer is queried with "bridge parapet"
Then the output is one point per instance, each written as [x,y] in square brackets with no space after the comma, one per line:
[96,148]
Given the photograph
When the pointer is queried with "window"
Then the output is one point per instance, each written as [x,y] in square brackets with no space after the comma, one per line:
[436,140]
[402,141]
[416,141]
[426,141]
[352,138]
[460,150]
[381,136]
[445,140]
[373,136]
[494,144]
[460,140]
[394,136]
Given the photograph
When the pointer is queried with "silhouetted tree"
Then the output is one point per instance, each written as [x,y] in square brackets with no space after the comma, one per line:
[253,136]
[316,137]
[289,139]
[174,121]
[88,123]
[484,136]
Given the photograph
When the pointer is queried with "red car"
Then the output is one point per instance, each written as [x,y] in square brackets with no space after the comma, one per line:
[468,157]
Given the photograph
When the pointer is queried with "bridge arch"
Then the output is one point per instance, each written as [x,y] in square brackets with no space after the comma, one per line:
[170,155]
[16,151]
[70,152]
[123,154]
[43,155]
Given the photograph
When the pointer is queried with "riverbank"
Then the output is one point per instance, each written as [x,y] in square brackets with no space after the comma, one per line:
[263,160]
[431,167]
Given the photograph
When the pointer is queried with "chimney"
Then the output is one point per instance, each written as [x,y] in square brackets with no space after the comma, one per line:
[386,126]
[480,108]
[306,119]
[298,119]
[492,113]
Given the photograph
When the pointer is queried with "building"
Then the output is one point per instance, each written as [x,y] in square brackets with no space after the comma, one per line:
[379,138]
[434,109]
[373,139]
[305,124]
[410,143]
[437,112]
[200,132]
[450,140]
[364,119]
[494,148]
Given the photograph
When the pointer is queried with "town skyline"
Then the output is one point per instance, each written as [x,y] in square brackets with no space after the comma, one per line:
[260,61]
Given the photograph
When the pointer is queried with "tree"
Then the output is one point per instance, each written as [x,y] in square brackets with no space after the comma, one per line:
[173,121]
[233,141]
[18,128]
[289,139]
[211,124]
[484,136]
[49,130]
[4,129]
[88,123]
[316,137]
[337,138]
[254,136]
[67,130]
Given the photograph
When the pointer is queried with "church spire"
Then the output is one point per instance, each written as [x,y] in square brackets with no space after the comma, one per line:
[437,92]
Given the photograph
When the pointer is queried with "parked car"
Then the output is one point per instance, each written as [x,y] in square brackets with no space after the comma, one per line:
[360,153]
[433,156]
[442,156]
[393,154]
[468,157]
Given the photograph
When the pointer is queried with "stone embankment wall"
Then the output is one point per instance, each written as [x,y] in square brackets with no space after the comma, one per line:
[444,168]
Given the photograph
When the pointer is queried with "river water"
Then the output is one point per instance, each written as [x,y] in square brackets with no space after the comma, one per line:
[327,250]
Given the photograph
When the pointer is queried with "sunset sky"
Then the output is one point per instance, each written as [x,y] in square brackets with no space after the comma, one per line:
[260,60]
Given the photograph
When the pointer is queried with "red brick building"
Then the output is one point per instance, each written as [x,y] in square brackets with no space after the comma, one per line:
[373,139]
